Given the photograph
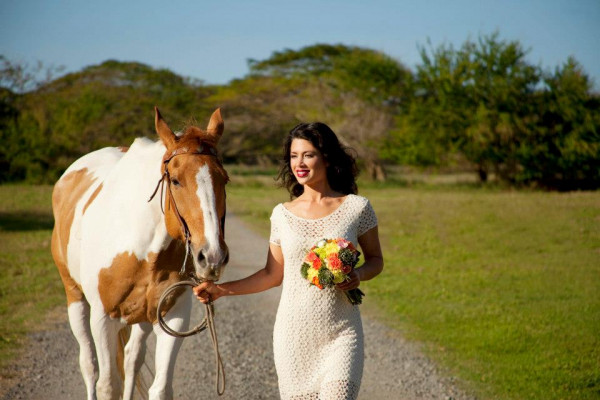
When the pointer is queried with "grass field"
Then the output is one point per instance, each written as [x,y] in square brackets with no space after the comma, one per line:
[29,283]
[501,287]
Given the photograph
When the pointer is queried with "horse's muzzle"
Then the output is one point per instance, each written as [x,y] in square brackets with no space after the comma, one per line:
[209,266]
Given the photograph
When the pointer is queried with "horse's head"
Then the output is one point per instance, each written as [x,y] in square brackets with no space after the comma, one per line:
[195,201]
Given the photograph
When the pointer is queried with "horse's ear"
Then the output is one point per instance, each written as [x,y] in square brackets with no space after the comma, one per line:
[215,125]
[164,132]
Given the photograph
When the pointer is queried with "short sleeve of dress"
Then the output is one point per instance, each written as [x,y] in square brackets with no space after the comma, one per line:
[275,238]
[367,219]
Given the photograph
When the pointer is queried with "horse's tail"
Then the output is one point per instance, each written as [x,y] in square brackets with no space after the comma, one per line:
[141,384]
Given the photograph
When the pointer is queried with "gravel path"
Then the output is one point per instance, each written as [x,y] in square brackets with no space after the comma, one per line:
[394,368]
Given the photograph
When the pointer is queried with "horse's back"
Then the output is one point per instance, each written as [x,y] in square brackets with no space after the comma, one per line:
[73,192]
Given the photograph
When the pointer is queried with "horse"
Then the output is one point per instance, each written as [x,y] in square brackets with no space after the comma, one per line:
[117,252]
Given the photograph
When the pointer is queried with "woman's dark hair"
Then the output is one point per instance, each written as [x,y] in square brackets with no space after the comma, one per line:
[341,165]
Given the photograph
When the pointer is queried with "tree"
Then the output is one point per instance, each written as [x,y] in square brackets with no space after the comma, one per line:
[355,90]
[562,149]
[104,105]
[487,105]
[258,111]
[369,74]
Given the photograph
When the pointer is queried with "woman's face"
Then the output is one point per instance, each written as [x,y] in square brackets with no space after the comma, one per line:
[307,162]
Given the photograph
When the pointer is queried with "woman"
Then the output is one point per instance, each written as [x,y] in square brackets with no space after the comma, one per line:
[318,338]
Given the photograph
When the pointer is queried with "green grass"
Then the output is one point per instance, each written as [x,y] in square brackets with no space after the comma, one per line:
[29,282]
[501,287]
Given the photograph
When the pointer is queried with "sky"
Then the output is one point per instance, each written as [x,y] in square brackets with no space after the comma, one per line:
[212,40]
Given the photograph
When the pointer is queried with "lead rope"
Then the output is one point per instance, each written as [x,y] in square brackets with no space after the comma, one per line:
[207,322]
[220,383]
[187,252]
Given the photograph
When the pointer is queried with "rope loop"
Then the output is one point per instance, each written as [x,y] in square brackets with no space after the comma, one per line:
[207,322]
[199,328]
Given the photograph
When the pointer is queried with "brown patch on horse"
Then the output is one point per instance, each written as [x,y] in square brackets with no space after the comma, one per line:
[92,197]
[123,149]
[67,193]
[130,288]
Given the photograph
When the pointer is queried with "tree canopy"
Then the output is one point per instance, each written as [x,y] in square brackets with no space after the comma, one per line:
[486,104]
[46,129]
[481,106]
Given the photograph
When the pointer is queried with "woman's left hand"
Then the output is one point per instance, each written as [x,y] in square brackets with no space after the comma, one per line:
[352,282]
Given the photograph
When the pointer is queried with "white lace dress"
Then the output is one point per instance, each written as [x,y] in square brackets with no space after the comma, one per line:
[318,336]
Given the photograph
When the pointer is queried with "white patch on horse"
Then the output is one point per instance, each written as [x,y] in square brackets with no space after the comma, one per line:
[208,203]
[115,225]
[99,164]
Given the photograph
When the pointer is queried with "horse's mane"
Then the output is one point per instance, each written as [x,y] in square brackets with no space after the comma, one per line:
[191,132]
[192,135]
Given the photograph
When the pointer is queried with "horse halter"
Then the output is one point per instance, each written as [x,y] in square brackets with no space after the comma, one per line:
[204,149]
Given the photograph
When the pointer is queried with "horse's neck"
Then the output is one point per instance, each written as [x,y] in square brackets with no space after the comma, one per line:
[133,181]
[139,167]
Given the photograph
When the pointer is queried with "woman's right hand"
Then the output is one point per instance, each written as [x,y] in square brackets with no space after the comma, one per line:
[207,291]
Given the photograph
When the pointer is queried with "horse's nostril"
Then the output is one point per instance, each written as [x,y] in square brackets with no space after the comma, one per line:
[201,256]
[226,260]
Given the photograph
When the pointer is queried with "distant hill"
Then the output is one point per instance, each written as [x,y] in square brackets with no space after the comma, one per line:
[102,105]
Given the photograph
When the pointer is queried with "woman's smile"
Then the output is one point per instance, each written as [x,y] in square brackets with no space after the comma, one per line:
[302,173]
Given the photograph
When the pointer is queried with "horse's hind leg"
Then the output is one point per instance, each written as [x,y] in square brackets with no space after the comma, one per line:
[78,310]
[135,351]
[79,319]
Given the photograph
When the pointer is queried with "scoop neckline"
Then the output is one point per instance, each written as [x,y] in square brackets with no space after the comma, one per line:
[320,218]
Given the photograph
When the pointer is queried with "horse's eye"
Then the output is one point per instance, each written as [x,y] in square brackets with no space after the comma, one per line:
[175,182]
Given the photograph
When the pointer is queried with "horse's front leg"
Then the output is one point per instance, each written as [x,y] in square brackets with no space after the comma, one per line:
[105,332]
[167,347]
[135,351]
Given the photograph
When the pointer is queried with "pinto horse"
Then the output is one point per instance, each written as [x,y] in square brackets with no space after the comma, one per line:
[117,252]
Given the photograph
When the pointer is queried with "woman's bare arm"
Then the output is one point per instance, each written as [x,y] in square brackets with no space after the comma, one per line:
[270,276]
[373,265]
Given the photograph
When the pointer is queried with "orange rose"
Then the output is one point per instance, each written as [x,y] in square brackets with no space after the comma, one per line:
[316,282]
[316,263]
[334,262]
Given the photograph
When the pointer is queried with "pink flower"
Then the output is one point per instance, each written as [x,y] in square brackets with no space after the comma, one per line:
[342,243]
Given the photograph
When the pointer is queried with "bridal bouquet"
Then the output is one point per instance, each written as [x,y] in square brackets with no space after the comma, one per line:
[329,262]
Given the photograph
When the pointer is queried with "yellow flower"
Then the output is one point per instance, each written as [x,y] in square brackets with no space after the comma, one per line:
[338,276]
[321,252]
[311,273]
[331,248]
